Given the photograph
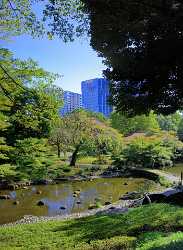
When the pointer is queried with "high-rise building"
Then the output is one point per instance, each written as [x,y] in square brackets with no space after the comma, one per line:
[95,94]
[72,101]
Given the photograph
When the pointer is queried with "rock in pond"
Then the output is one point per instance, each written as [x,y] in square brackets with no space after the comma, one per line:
[38,192]
[5,197]
[107,203]
[62,208]
[16,203]
[77,192]
[131,196]
[40,203]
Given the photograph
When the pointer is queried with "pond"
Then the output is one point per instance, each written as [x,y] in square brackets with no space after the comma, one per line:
[61,195]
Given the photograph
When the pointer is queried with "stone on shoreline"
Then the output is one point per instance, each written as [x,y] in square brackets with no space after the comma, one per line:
[5,197]
[40,203]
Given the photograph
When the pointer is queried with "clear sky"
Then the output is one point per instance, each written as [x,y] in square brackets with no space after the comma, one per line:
[76,61]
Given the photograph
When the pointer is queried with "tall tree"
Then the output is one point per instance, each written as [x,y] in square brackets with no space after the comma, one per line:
[75,130]
[34,101]
[141,42]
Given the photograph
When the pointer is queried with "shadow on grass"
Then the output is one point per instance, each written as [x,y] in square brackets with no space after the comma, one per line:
[174,245]
[143,219]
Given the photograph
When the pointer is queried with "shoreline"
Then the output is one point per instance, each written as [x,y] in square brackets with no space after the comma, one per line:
[114,208]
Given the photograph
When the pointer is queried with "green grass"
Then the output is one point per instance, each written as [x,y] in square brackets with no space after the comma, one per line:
[150,227]
[164,182]
[93,160]
[86,159]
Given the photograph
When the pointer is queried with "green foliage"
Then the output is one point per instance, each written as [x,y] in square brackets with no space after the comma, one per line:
[142,123]
[164,182]
[18,17]
[60,15]
[158,241]
[114,243]
[151,151]
[140,43]
[7,172]
[66,169]
[180,130]
[33,158]
[32,99]
[170,122]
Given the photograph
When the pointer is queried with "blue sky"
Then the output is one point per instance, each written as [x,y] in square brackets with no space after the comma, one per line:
[76,61]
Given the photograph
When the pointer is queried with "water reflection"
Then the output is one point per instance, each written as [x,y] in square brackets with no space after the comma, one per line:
[59,199]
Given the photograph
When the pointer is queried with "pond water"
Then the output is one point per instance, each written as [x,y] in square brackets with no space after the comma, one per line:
[61,195]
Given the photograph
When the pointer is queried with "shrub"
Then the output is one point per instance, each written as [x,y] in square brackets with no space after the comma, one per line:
[7,172]
[114,243]
[66,169]
[158,150]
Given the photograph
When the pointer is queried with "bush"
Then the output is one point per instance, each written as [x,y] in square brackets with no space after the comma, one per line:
[156,151]
[66,169]
[114,243]
[7,172]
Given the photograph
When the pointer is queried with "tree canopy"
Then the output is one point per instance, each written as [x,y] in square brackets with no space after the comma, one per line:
[140,123]
[17,17]
[141,42]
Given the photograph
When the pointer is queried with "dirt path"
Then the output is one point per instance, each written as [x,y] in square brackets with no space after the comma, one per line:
[169,177]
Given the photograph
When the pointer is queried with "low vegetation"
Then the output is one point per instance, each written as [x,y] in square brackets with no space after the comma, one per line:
[152,227]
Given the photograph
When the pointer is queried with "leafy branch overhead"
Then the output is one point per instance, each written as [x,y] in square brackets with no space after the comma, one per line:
[141,43]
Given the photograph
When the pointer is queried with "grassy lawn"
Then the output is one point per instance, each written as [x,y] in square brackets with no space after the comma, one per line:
[86,160]
[153,227]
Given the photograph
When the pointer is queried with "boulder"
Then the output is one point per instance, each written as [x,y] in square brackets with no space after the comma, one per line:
[158,198]
[40,203]
[176,199]
[5,197]
[77,192]
[112,208]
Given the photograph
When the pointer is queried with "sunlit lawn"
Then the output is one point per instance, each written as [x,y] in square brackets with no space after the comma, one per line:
[148,227]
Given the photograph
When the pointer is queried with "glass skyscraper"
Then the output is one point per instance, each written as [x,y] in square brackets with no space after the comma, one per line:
[95,94]
[72,101]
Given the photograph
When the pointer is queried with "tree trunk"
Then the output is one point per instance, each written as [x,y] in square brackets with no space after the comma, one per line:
[58,150]
[74,156]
